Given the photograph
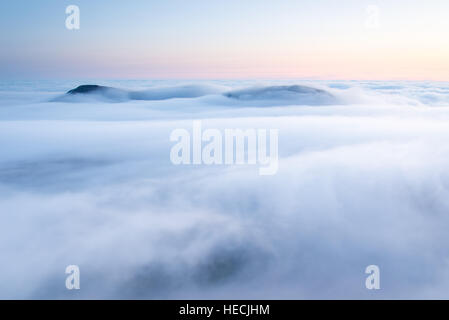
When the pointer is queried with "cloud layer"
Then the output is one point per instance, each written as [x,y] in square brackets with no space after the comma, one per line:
[365,181]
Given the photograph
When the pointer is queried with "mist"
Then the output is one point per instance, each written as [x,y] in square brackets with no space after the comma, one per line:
[363,179]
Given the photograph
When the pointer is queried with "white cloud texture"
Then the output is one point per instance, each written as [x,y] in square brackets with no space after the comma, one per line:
[361,182]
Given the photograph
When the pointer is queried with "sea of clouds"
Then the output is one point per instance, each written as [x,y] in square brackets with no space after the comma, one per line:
[87,180]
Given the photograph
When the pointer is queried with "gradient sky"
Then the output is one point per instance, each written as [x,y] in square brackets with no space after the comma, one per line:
[316,39]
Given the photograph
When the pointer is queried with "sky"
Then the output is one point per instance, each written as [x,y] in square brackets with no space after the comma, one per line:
[242,39]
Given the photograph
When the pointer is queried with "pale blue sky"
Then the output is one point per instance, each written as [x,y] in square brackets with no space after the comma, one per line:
[225,39]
